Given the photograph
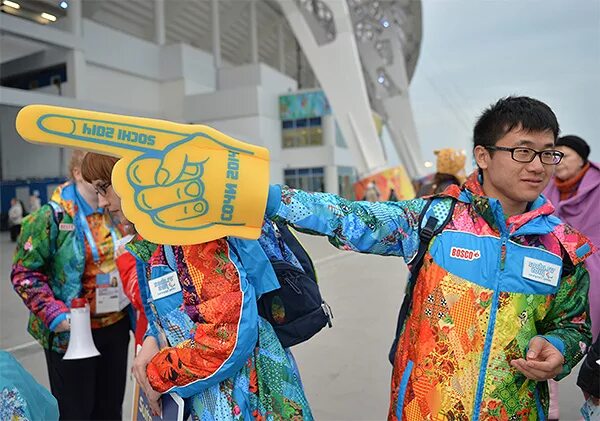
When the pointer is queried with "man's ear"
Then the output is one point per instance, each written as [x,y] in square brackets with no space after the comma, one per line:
[482,156]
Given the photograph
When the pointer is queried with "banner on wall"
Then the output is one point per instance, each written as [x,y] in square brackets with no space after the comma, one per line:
[391,184]
[303,105]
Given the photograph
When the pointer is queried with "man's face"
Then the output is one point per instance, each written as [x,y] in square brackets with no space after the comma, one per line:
[515,183]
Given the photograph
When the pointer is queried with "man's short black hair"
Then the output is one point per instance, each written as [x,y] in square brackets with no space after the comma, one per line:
[512,112]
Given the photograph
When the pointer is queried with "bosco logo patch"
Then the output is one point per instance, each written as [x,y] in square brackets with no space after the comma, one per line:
[464,254]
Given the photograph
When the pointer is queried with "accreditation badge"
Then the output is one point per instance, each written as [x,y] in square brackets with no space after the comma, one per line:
[109,293]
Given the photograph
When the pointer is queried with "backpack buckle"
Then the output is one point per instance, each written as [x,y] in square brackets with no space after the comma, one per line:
[428,230]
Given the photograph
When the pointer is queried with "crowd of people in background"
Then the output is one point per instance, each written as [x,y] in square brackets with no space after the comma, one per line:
[468,321]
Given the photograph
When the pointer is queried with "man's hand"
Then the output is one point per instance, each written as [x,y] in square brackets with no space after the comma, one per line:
[149,350]
[543,361]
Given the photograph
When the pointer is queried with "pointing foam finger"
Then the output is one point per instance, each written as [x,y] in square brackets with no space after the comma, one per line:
[110,134]
[152,198]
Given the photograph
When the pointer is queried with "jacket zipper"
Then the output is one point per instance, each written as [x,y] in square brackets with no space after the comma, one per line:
[490,330]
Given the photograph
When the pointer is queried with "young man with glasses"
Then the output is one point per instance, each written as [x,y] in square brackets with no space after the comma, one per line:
[499,305]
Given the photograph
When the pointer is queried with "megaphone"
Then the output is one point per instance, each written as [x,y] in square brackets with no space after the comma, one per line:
[81,343]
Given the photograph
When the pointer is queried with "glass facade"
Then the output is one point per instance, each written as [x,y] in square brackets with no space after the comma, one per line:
[347,176]
[301,133]
[309,179]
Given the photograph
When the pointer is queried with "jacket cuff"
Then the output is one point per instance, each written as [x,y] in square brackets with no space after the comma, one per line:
[274,200]
[57,320]
[556,342]
[151,331]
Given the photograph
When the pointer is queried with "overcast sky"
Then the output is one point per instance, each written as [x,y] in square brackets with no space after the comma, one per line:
[474,52]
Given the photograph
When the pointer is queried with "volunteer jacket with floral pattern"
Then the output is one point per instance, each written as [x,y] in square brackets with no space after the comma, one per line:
[49,263]
[486,287]
[215,349]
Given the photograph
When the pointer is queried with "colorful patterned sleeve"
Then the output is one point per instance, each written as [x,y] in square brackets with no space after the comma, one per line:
[384,228]
[30,264]
[567,323]
[218,333]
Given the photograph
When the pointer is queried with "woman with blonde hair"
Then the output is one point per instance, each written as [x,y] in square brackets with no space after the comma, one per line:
[66,250]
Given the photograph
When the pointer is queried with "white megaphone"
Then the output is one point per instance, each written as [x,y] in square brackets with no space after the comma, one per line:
[81,343]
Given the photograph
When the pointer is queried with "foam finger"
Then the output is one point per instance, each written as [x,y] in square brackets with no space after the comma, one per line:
[158,197]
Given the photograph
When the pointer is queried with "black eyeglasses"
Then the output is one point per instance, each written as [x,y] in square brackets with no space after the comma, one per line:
[526,155]
[101,189]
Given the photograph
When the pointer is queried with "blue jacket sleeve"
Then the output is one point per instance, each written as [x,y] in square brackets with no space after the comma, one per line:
[384,228]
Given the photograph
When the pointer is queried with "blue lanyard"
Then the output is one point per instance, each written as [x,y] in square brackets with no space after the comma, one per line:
[170,255]
[88,233]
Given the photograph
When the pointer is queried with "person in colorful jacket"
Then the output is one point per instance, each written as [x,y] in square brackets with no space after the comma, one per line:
[205,340]
[22,398]
[65,251]
[500,303]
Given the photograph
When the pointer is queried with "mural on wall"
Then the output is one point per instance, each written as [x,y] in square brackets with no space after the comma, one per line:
[391,184]
[303,105]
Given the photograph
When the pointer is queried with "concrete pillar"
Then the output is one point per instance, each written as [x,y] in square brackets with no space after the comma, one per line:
[331,179]
[253,33]
[159,22]
[281,47]
[75,86]
[74,17]
[216,34]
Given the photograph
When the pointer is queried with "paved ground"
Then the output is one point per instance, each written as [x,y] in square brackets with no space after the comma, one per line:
[345,369]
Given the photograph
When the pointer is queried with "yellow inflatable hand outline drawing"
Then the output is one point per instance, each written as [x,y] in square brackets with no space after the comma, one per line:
[178,183]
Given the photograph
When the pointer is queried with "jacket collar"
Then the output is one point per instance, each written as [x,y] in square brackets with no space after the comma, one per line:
[491,210]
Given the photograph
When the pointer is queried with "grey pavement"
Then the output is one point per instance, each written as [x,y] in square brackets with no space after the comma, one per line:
[345,369]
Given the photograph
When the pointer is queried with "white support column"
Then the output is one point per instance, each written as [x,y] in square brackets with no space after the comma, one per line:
[74,17]
[331,179]
[395,105]
[281,46]
[159,22]
[216,35]
[76,80]
[75,57]
[253,33]
[338,68]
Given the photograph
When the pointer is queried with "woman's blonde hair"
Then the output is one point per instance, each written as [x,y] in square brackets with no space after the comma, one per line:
[75,162]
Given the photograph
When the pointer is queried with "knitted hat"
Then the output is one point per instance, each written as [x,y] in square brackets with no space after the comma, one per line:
[577,144]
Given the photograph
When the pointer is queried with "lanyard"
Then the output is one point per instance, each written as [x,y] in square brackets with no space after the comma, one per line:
[170,255]
[88,233]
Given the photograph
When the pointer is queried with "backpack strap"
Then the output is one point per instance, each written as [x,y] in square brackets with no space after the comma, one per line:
[57,214]
[434,217]
[294,245]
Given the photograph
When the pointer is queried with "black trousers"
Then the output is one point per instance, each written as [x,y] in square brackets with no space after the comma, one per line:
[92,388]
[15,230]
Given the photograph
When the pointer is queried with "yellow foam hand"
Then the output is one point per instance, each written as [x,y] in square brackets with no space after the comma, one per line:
[178,183]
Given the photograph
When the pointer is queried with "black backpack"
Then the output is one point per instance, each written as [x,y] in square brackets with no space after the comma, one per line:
[436,209]
[295,310]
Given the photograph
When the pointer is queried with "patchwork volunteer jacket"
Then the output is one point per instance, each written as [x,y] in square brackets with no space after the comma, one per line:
[49,263]
[486,287]
[215,348]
